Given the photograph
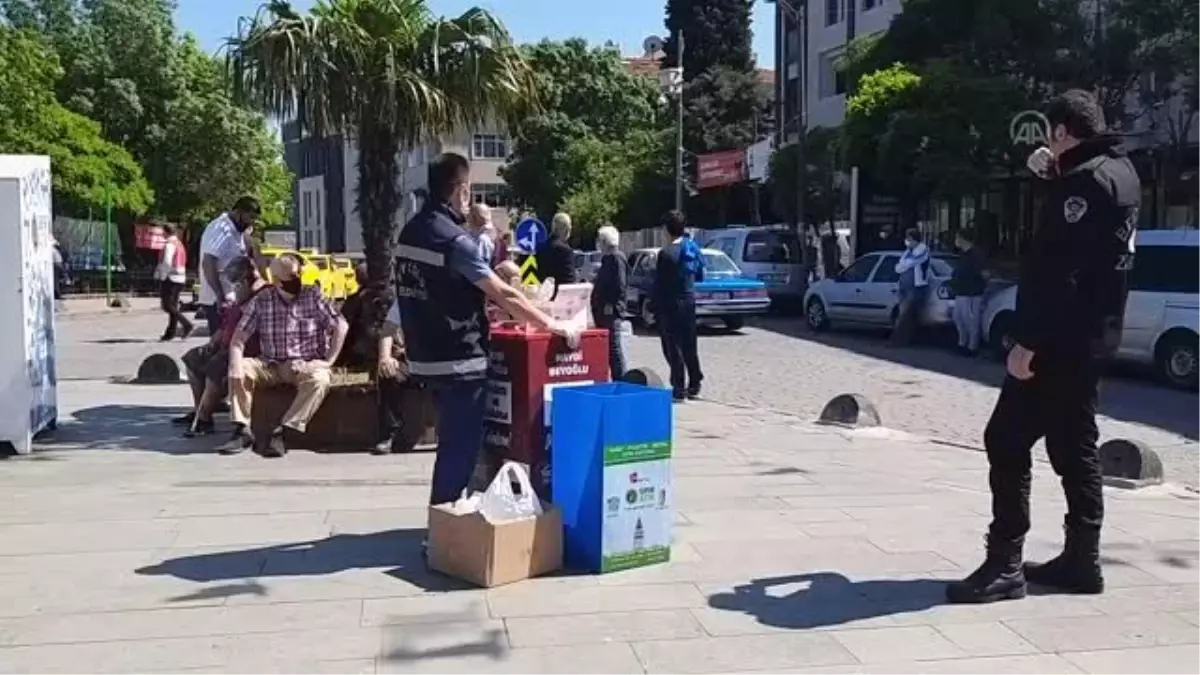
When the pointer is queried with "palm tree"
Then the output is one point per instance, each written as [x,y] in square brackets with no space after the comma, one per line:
[389,74]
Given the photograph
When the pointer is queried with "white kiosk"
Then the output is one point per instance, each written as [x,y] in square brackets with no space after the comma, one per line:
[28,381]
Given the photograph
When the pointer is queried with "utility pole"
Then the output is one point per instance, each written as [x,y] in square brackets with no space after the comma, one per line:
[679,128]
[799,15]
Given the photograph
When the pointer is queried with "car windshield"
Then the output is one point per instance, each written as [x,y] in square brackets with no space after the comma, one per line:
[321,263]
[718,264]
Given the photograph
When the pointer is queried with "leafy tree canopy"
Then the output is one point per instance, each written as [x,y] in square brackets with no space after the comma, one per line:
[591,101]
[158,95]
[88,170]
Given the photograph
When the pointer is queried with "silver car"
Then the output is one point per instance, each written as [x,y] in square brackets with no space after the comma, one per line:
[586,263]
[867,293]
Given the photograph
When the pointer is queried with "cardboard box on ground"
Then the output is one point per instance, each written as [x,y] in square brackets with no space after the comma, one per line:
[498,536]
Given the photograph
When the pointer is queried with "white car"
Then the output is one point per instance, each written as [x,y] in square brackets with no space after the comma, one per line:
[866,293]
[1161,314]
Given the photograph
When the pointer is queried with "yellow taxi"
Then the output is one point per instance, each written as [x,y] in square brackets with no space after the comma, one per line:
[345,267]
[315,270]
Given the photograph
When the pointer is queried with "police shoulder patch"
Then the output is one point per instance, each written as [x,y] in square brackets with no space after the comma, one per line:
[1074,209]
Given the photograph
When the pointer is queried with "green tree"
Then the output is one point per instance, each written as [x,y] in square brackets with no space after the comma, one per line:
[390,73]
[823,197]
[589,99]
[603,175]
[726,107]
[715,33]
[88,170]
[158,95]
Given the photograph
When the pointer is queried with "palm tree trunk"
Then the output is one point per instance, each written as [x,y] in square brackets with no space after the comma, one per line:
[379,198]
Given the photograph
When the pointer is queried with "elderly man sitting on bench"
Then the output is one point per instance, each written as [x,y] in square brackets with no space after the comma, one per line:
[300,335]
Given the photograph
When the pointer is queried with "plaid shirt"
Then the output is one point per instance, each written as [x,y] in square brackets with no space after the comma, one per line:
[298,330]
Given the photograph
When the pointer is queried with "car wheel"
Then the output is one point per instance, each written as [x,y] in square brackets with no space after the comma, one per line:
[815,315]
[1176,359]
[1000,338]
[646,314]
[734,322]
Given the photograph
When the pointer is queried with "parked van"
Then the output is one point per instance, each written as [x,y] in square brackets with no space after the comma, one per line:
[1161,314]
[771,253]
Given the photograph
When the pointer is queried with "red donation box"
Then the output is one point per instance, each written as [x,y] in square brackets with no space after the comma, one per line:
[525,369]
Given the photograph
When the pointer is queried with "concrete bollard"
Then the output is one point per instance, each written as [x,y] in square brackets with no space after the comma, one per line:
[1130,463]
[850,410]
[118,302]
[158,369]
[643,376]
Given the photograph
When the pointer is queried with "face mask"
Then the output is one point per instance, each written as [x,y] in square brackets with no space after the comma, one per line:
[290,286]
[909,243]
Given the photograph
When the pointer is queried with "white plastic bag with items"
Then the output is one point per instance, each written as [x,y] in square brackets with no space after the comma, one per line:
[499,504]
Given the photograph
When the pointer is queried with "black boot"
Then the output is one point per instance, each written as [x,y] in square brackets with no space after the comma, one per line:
[998,578]
[1076,569]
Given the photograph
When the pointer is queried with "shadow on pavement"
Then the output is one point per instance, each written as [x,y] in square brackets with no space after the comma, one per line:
[397,553]
[828,599]
[126,427]
[1127,394]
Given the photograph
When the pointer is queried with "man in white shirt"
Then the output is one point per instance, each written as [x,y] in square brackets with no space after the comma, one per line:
[223,241]
[172,275]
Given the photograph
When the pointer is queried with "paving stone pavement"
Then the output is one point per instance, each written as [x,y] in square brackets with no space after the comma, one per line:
[797,548]
[778,363]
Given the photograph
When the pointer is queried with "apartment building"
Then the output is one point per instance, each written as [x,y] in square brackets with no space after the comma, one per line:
[324,197]
[831,25]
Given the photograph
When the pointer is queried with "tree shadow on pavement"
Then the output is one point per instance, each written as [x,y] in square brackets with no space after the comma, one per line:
[828,599]
[1126,394]
[126,427]
[396,553]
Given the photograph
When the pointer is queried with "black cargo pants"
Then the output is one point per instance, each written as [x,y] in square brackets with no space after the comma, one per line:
[1058,404]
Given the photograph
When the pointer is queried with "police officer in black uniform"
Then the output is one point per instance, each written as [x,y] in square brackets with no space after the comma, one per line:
[1070,308]
[441,284]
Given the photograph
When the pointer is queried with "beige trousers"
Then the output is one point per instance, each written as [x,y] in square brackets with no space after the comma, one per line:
[310,380]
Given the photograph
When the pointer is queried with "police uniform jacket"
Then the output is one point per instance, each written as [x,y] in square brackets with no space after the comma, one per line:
[1071,297]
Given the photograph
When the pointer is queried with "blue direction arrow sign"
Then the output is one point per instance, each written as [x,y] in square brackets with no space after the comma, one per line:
[531,234]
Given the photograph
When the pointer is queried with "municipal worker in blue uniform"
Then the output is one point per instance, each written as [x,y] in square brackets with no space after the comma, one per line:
[442,284]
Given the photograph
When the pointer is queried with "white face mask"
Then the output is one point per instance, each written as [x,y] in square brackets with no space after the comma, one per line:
[909,243]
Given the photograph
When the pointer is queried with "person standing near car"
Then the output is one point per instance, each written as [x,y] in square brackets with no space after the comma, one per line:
[441,286]
[913,268]
[679,266]
[968,282]
[223,241]
[172,275]
[1070,311]
[608,297]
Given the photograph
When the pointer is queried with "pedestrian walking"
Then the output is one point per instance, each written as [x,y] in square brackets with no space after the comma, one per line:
[441,285]
[968,282]
[679,266]
[171,274]
[1070,310]
[913,268]
[223,241]
[608,298]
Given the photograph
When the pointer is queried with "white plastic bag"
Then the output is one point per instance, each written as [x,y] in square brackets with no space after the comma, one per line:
[499,504]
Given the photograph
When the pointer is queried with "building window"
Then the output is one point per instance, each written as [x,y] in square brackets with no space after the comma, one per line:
[489,146]
[494,195]
[307,208]
[831,80]
[833,12]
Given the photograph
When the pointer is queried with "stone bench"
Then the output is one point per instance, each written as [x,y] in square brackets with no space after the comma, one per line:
[347,419]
